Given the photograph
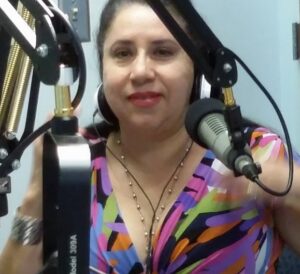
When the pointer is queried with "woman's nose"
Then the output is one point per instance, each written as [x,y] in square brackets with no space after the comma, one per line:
[142,69]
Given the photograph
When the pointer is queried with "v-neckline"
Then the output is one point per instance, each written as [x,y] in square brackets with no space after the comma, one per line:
[161,224]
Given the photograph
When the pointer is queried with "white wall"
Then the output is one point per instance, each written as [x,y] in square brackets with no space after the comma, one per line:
[258,31]
[289,69]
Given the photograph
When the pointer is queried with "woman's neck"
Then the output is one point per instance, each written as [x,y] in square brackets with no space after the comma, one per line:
[148,153]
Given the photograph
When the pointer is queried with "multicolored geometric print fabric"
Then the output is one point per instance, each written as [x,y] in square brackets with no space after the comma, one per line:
[207,230]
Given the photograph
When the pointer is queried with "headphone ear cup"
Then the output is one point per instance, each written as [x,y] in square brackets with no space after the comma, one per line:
[205,88]
[207,91]
[103,107]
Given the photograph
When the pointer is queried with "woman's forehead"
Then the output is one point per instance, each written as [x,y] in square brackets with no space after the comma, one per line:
[135,20]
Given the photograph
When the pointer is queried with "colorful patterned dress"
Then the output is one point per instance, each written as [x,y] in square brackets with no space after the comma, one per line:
[207,230]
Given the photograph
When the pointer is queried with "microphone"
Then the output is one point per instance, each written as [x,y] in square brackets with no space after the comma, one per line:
[205,123]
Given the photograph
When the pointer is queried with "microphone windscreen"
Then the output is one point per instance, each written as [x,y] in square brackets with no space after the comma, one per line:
[197,111]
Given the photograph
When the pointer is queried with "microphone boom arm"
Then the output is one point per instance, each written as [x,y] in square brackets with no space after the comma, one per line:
[211,58]
[215,61]
[42,47]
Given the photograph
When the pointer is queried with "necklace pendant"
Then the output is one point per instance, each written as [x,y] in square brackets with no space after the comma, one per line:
[167,190]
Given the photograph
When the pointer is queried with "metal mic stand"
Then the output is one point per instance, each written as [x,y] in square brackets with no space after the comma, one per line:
[66,154]
[5,185]
[66,192]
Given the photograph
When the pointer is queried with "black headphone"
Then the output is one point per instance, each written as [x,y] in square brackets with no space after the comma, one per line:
[103,108]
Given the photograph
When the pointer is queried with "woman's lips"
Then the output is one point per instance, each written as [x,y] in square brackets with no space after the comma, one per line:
[145,99]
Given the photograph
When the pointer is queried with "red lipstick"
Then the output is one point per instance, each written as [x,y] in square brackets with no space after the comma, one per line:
[145,99]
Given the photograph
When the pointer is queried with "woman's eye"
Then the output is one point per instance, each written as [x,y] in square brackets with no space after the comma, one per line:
[163,52]
[122,54]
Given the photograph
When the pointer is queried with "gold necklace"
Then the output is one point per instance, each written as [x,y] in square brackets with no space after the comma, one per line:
[169,186]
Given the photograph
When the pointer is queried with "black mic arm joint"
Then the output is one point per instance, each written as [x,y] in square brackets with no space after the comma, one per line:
[224,73]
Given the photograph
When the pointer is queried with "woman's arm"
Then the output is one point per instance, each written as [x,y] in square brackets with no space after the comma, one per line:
[269,150]
[287,208]
[16,258]
[287,213]
[26,259]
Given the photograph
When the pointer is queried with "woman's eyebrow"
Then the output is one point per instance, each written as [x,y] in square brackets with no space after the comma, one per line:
[164,41]
[156,42]
[122,42]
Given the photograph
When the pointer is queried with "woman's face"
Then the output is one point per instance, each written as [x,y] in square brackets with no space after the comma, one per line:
[147,76]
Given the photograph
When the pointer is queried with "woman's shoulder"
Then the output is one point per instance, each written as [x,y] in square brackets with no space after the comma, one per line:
[257,133]
[265,142]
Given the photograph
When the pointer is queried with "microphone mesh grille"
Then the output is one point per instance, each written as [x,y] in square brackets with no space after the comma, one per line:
[215,124]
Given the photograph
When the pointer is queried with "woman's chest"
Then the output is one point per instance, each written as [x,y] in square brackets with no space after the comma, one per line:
[200,227]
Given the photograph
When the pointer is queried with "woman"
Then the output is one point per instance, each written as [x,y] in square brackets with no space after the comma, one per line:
[161,203]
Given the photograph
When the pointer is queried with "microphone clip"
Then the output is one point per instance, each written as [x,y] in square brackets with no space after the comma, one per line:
[240,158]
